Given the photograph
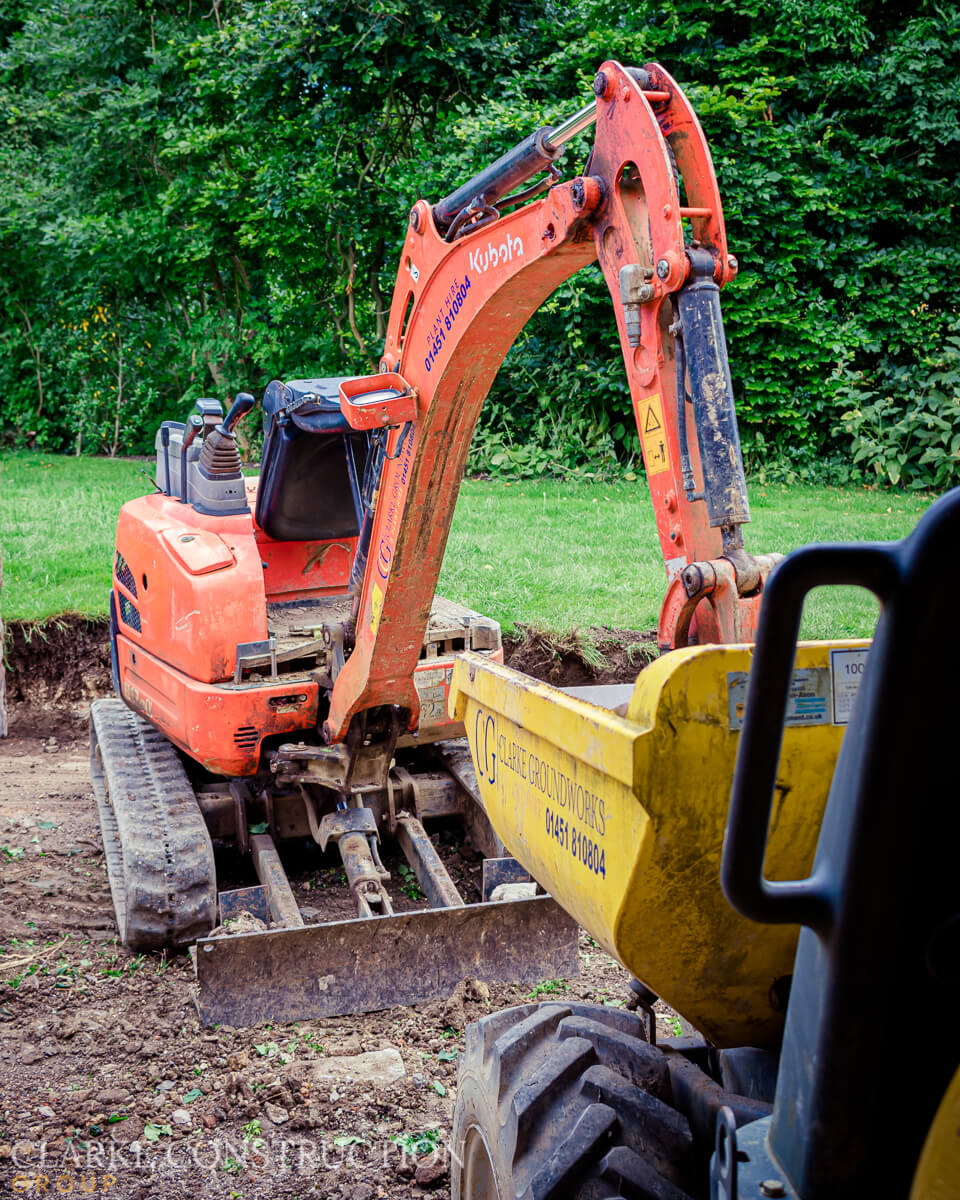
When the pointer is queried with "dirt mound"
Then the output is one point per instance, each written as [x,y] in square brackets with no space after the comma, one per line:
[55,668]
[102,1048]
[580,658]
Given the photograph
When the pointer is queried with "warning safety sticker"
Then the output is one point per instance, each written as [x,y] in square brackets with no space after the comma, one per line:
[376,608]
[653,435]
[433,687]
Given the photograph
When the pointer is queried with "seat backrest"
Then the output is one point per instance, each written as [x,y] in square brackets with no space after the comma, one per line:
[311,466]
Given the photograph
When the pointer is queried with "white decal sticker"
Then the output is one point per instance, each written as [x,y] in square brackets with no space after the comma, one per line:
[493,256]
[807,704]
[847,668]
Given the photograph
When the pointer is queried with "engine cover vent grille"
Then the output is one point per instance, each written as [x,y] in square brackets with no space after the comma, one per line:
[125,575]
[129,613]
[246,737]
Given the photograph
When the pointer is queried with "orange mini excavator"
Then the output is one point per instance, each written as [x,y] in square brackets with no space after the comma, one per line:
[282,661]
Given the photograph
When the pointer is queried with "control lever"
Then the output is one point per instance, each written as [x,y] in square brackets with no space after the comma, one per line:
[165,443]
[193,427]
[238,410]
[220,458]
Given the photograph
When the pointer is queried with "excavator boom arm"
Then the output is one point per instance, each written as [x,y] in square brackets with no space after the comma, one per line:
[467,284]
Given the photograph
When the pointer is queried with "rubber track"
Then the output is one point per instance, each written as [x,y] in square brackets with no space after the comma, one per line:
[158,852]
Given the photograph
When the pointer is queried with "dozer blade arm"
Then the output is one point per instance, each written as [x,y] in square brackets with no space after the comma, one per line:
[469,280]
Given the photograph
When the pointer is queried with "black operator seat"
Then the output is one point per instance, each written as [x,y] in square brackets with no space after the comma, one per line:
[312,464]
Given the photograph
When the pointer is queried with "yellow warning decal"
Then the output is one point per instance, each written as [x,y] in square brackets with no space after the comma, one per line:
[376,608]
[653,435]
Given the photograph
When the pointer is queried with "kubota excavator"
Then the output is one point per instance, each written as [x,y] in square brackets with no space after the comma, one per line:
[281,658]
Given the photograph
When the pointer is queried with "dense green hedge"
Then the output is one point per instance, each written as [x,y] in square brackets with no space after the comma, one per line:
[194,202]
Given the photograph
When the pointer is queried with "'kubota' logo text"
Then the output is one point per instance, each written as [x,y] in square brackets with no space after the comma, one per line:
[493,256]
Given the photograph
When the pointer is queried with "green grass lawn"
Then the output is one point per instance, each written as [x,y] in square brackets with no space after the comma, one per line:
[563,555]
[58,517]
[553,554]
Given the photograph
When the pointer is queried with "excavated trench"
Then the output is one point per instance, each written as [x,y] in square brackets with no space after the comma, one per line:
[56,668]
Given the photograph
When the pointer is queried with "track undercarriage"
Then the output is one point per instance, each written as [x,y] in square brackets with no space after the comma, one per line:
[256,957]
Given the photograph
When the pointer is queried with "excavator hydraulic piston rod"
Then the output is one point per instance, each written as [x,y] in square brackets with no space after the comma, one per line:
[705,350]
[534,154]
[568,129]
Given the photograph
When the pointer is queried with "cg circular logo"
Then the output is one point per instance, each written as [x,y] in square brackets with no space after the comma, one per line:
[384,555]
[485,740]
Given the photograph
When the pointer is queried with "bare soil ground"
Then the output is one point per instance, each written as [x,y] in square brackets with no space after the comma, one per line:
[109,1085]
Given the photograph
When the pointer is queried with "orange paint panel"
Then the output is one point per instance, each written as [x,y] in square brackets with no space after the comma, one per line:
[197,551]
[305,570]
[220,727]
[193,622]
[301,570]
[164,708]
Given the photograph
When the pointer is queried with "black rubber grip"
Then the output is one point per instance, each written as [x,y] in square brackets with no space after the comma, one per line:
[802,902]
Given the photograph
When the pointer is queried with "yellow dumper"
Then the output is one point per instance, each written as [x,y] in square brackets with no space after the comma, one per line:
[622,817]
[766,837]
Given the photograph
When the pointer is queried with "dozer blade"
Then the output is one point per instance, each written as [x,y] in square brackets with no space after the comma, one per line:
[374,963]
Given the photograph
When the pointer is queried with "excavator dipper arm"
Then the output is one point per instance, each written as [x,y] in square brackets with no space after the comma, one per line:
[469,280]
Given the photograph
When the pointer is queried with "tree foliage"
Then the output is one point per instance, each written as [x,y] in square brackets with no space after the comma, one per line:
[195,201]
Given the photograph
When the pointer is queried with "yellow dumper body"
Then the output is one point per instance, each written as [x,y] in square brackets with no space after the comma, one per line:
[621,818]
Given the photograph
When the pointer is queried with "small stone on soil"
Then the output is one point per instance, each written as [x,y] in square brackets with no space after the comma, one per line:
[430,1174]
[375,1067]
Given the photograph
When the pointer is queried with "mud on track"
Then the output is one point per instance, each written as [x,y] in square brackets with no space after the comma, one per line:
[104,1069]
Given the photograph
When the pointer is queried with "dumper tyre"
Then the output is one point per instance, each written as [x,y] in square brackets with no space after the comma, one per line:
[567,1102]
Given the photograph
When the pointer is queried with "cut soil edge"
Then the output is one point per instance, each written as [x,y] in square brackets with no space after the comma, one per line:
[55,668]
